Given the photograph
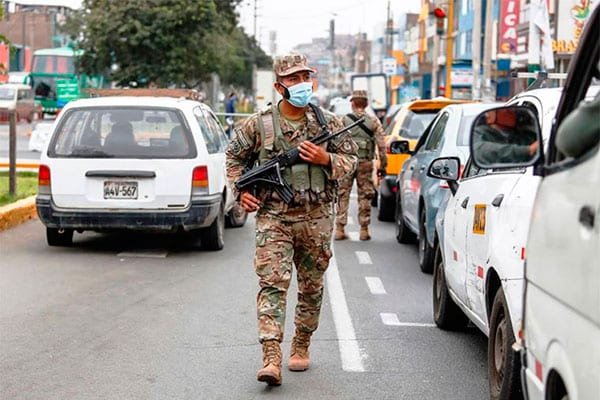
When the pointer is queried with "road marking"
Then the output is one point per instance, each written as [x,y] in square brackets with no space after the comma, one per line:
[375,285]
[392,320]
[144,253]
[351,221]
[348,345]
[353,236]
[363,257]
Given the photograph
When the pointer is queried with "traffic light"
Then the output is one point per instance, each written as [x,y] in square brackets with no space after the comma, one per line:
[440,17]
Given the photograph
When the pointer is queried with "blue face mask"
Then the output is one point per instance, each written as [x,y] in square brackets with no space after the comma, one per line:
[299,95]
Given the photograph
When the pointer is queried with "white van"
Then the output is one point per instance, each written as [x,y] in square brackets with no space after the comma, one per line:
[561,311]
[19,97]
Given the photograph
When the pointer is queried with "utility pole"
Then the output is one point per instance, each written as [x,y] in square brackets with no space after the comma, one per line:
[476,49]
[255,16]
[435,66]
[449,48]
[487,52]
[12,152]
[23,37]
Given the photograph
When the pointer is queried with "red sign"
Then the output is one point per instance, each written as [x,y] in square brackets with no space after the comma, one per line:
[509,22]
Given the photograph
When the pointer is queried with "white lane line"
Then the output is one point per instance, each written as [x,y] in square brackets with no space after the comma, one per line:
[363,257]
[353,236]
[348,345]
[375,285]
[392,320]
[351,221]
[144,254]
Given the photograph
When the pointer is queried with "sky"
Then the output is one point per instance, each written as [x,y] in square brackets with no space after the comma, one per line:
[298,22]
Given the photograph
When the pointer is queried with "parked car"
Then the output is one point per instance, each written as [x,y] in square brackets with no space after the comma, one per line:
[418,196]
[136,163]
[40,134]
[408,124]
[19,97]
[561,313]
[478,273]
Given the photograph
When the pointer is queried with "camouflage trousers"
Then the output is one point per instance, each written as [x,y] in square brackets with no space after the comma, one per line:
[280,245]
[366,191]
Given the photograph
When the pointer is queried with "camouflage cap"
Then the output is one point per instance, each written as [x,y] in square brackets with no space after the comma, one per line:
[359,94]
[289,64]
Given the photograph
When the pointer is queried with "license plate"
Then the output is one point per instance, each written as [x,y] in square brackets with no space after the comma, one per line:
[120,190]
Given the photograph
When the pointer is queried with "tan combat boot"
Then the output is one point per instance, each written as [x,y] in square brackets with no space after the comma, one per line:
[364,233]
[270,373]
[339,233]
[299,357]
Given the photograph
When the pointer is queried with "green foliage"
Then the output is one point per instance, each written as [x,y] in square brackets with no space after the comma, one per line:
[164,42]
[26,186]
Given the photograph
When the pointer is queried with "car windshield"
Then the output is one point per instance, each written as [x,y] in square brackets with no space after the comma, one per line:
[464,130]
[7,94]
[124,132]
[414,124]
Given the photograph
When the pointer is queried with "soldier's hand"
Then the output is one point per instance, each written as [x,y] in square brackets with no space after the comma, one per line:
[248,202]
[313,154]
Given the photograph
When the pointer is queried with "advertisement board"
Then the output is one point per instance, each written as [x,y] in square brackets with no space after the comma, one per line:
[571,18]
[509,22]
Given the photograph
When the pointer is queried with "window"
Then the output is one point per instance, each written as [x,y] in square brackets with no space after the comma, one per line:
[211,140]
[437,134]
[217,130]
[464,130]
[126,132]
[472,170]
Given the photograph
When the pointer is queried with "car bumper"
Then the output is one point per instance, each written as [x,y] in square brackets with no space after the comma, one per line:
[200,214]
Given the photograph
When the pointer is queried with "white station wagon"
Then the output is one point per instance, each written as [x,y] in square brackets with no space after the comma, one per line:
[136,163]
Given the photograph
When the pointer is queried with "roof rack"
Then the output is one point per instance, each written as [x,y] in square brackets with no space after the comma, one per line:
[539,76]
[189,94]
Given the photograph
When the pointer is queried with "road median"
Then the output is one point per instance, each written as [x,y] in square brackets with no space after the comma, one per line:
[18,212]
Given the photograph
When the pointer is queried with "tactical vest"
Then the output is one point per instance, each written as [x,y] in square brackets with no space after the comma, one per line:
[309,182]
[365,140]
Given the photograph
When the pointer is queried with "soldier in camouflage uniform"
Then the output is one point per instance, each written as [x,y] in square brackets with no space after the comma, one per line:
[298,233]
[366,135]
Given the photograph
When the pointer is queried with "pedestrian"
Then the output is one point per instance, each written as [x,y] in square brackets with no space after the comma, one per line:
[367,136]
[229,111]
[296,234]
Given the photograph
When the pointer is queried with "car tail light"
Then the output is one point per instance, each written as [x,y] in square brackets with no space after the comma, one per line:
[44,179]
[200,177]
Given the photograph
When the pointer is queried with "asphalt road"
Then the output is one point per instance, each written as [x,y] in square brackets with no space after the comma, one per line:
[131,316]
[23,131]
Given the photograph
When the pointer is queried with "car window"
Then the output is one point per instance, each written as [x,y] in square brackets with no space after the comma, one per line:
[472,170]
[213,144]
[464,130]
[217,130]
[21,94]
[7,93]
[437,134]
[124,132]
[414,124]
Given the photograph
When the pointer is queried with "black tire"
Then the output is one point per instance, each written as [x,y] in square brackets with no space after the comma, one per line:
[403,233]
[504,365]
[426,252]
[59,237]
[446,314]
[386,209]
[236,217]
[213,237]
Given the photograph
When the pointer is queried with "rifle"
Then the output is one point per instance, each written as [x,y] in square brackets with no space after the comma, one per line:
[270,172]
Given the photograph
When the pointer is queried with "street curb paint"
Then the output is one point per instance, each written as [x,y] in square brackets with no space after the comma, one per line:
[18,212]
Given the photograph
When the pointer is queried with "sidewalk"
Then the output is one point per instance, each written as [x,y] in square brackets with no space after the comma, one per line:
[22,164]
[18,212]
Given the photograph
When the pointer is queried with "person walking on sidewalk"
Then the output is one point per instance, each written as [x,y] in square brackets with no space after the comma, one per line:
[367,136]
[295,234]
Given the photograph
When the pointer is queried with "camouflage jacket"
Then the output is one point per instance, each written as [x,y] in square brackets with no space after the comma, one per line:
[246,144]
[374,124]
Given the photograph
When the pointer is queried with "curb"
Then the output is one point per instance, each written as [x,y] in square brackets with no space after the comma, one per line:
[18,212]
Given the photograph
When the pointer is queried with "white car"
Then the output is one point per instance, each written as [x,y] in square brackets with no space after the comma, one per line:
[136,163]
[561,311]
[478,265]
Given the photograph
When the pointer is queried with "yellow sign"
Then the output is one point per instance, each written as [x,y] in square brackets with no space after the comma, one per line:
[479,219]
[564,46]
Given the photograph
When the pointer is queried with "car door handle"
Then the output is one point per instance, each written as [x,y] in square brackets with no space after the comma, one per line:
[465,202]
[498,200]
[587,217]
[422,168]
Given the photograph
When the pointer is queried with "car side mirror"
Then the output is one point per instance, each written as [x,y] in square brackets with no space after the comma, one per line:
[506,137]
[446,168]
[400,147]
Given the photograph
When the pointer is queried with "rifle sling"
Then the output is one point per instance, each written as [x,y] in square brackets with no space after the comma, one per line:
[354,118]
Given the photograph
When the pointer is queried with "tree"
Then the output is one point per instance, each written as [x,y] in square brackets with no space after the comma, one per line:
[167,42]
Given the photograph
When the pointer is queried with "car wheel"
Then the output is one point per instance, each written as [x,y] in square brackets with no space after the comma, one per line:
[386,209]
[446,314]
[403,232]
[59,237]
[426,253]
[236,217]
[213,237]
[503,364]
